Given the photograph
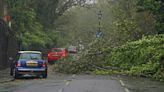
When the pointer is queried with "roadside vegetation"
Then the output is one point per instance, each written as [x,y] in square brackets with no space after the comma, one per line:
[33,21]
[144,58]
[132,41]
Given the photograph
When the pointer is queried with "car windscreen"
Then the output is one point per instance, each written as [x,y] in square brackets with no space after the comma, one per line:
[30,56]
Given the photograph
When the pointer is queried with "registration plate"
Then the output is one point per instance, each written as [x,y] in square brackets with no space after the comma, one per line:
[32,63]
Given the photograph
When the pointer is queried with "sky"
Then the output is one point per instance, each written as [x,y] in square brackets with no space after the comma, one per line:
[91,1]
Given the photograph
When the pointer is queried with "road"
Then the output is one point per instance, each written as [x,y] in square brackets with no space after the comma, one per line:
[81,83]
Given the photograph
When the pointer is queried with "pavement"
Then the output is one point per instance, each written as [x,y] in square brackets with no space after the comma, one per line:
[5,76]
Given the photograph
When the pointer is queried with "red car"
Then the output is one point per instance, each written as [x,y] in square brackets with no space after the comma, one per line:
[57,54]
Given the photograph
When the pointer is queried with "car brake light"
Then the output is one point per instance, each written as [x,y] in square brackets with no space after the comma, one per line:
[64,55]
[18,64]
[44,65]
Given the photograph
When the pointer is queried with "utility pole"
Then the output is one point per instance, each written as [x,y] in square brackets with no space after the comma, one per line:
[99,18]
[99,32]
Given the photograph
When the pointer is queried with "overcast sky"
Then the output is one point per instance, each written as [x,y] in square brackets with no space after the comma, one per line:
[91,1]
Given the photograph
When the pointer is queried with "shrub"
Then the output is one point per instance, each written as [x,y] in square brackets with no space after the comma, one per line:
[141,58]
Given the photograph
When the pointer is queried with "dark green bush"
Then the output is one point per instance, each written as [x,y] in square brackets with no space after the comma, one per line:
[141,58]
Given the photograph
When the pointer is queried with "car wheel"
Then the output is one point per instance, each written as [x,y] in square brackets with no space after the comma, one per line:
[44,74]
[15,75]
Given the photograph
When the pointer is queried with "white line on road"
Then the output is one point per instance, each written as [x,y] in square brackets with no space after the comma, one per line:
[73,76]
[60,90]
[67,83]
[122,83]
[127,90]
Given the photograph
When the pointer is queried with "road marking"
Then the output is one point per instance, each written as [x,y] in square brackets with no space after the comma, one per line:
[67,83]
[122,83]
[127,90]
[74,75]
[60,90]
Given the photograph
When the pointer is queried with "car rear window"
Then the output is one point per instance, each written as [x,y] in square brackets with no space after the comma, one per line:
[30,56]
[57,50]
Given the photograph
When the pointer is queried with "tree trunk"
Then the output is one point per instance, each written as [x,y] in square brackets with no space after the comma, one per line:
[8,44]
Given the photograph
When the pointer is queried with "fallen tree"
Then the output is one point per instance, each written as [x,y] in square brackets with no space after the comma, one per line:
[144,57]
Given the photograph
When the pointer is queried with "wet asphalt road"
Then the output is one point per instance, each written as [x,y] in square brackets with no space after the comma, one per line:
[82,83]
[63,83]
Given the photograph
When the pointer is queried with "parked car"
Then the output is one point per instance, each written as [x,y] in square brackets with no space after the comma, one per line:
[57,54]
[72,49]
[28,63]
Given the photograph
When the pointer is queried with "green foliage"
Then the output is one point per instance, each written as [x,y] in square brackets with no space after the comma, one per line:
[36,40]
[46,11]
[102,72]
[144,57]
[141,58]
[155,7]
[29,31]
[126,30]
[37,25]
[33,21]
[122,23]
